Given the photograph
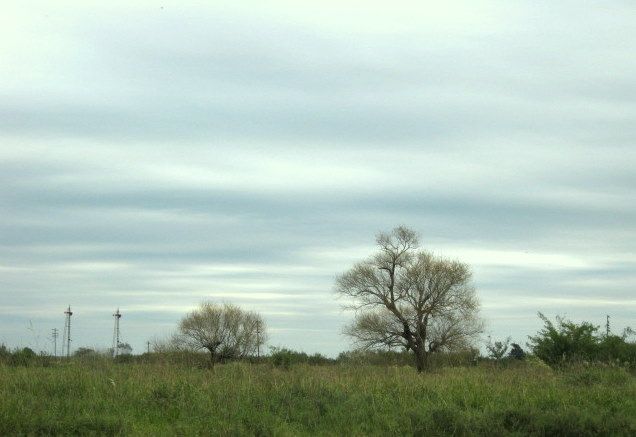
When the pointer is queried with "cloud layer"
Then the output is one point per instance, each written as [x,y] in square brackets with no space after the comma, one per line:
[156,155]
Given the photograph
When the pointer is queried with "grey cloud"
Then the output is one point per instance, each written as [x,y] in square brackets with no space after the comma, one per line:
[224,81]
[157,144]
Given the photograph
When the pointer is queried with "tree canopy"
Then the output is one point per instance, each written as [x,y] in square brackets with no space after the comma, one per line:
[410,298]
[225,331]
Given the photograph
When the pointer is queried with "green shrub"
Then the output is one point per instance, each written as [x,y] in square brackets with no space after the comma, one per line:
[319,359]
[23,357]
[614,348]
[516,353]
[283,357]
[566,342]
[5,354]
[376,357]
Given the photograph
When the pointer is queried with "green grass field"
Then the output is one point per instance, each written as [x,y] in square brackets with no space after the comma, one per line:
[258,399]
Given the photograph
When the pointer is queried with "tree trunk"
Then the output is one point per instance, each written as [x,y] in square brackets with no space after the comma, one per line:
[421,359]
[212,358]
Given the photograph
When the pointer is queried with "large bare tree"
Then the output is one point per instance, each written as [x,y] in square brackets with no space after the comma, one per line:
[408,297]
[225,331]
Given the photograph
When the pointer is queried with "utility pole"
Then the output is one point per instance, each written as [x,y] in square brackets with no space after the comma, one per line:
[67,332]
[54,336]
[117,316]
[607,326]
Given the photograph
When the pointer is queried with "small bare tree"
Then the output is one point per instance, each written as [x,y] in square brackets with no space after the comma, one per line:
[410,298]
[225,331]
[497,350]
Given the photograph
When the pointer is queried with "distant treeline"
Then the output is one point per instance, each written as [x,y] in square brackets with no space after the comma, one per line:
[559,343]
[279,357]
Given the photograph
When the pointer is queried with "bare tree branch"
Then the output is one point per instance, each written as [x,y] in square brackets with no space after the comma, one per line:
[411,298]
[225,331]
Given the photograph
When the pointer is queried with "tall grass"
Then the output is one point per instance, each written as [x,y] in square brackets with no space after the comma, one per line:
[259,399]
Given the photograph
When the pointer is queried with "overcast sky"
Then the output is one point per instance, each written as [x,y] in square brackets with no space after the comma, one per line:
[157,154]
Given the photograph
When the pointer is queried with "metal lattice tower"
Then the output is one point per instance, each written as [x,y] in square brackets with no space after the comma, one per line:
[66,339]
[116,343]
[54,335]
[607,326]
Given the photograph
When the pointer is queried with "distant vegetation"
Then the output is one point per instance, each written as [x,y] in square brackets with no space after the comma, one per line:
[559,345]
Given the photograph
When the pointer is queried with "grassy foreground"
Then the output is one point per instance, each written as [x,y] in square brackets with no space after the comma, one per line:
[244,399]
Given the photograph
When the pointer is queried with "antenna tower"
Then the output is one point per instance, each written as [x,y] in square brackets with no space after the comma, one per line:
[117,316]
[66,339]
[607,326]
[54,337]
